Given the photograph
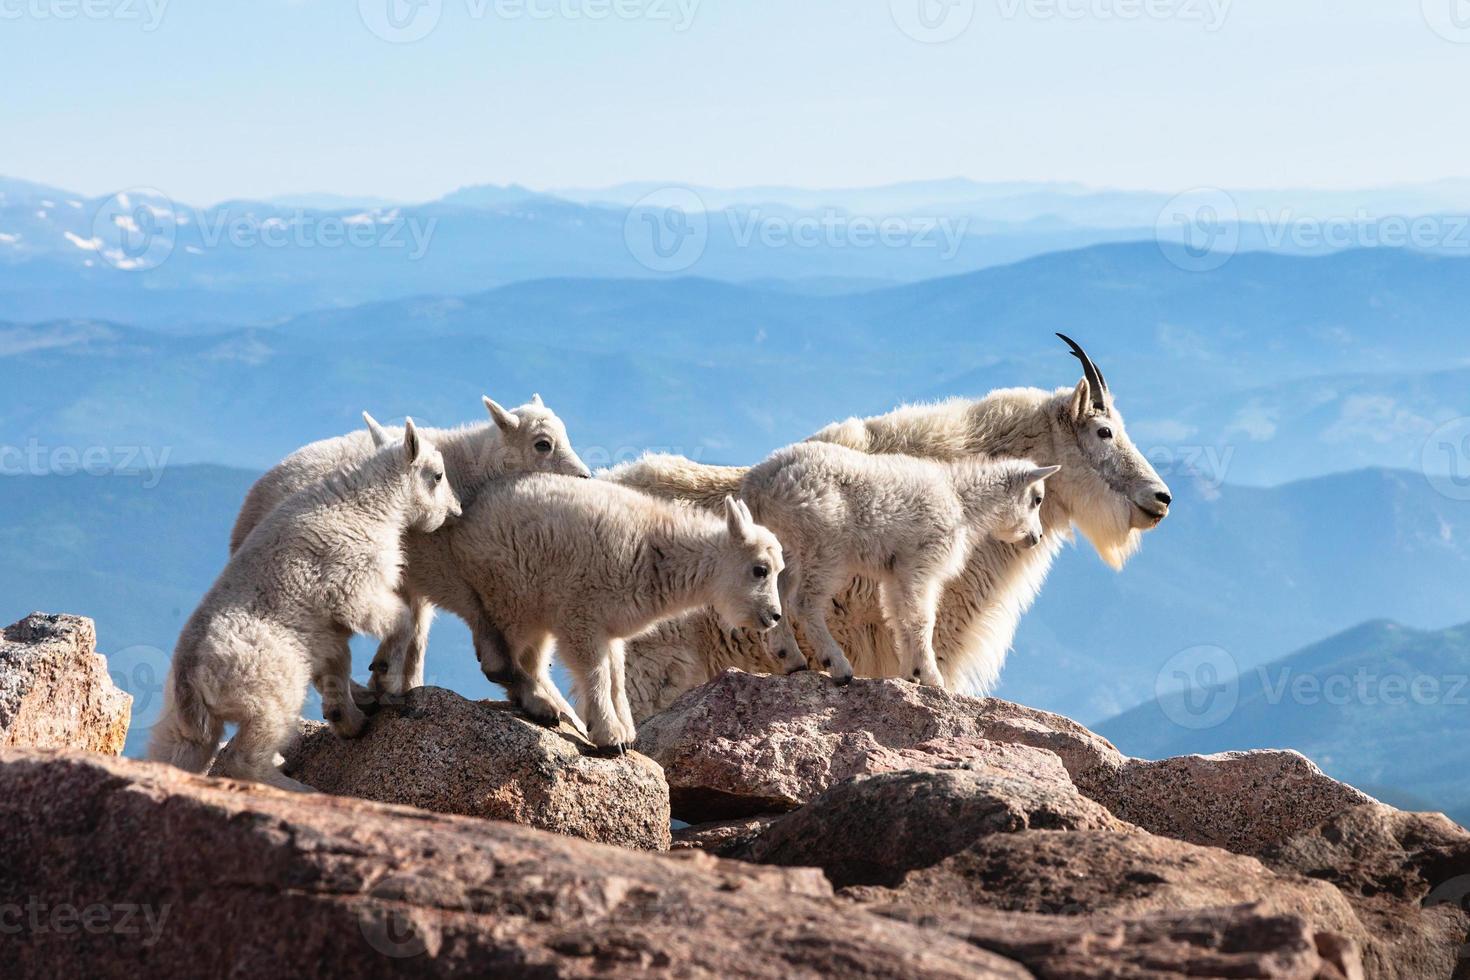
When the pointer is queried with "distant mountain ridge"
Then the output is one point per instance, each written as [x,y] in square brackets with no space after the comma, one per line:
[67,255]
[1231,376]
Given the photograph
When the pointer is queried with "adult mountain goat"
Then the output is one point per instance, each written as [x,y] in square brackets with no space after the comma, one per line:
[1106,489]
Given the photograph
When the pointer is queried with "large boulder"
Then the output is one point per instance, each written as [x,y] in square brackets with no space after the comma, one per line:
[1408,877]
[54,688]
[1246,802]
[746,744]
[124,868]
[875,829]
[441,752]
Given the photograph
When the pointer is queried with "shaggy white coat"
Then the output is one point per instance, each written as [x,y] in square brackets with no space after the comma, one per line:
[586,564]
[323,564]
[527,439]
[907,523]
[1106,489]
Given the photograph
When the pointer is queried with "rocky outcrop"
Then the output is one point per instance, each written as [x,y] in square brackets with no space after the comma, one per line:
[441,752]
[747,744]
[54,688]
[122,867]
[882,830]
[950,811]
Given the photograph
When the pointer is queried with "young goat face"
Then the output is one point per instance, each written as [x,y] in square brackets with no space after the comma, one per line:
[1019,520]
[432,500]
[536,441]
[750,563]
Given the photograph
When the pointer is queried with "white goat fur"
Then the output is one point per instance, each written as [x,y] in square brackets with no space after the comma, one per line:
[1105,489]
[588,563]
[473,455]
[324,564]
[907,523]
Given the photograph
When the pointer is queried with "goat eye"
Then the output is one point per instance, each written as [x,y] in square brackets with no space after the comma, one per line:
[761,571]
[1105,433]
[543,445]
[1035,502]
[438,477]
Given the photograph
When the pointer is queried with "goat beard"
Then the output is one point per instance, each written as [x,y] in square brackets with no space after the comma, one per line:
[1111,533]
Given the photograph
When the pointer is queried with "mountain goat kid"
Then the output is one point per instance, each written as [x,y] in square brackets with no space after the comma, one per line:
[907,523]
[528,439]
[588,563]
[324,564]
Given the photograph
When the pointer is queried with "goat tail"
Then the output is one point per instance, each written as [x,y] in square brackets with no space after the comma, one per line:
[677,478]
[187,733]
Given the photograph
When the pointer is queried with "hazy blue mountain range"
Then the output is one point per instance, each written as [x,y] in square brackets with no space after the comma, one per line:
[1256,572]
[1382,706]
[141,258]
[1069,202]
[1236,375]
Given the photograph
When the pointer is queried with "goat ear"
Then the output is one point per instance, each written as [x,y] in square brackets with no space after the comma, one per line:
[507,422]
[411,444]
[1081,400]
[737,519]
[536,400]
[380,438]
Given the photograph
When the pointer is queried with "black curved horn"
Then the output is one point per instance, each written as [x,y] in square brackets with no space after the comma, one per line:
[1095,379]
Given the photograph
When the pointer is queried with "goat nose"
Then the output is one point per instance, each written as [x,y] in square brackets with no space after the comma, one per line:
[775,617]
[1164,497]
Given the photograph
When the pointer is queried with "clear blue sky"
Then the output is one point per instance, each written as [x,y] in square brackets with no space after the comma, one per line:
[257,97]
